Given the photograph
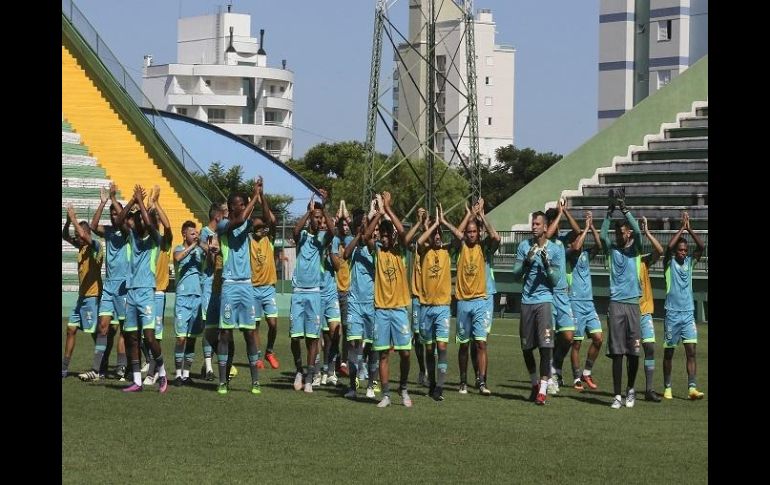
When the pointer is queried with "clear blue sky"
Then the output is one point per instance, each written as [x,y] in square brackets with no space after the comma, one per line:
[328,46]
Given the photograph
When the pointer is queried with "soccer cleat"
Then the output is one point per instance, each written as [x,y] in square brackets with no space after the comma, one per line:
[316,381]
[540,399]
[484,390]
[558,380]
[376,386]
[617,403]
[120,373]
[324,379]
[405,399]
[308,387]
[438,394]
[667,393]
[344,369]
[630,398]
[233,371]
[477,383]
[255,388]
[272,360]
[133,388]
[370,392]
[90,376]
[178,381]
[222,388]
[384,402]
[351,394]
[162,384]
[463,388]
[535,391]
[694,394]
[187,381]
[553,387]
[589,381]
[150,379]
[260,364]
[298,381]
[332,379]
[210,375]
[651,395]
[578,385]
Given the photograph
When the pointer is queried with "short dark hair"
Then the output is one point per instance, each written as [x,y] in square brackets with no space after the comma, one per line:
[551,214]
[537,214]
[235,195]
[680,241]
[213,209]
[84,225]
[187,224]
[386,226]
[571,236]
[358,216]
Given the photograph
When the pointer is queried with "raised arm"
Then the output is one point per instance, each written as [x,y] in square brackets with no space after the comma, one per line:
[421,216]
[700,247]
[605,236]
[598,246]
[181,254]
[354,242]
[82,233]
[267,214]
[168,234]
[553,227]
[492,236]
[386,201]
[139,199]
[368,239]
[456,232]
[297,231]
[425,236]
[572,222]
[657,249]
[95,226]
[65,232]
[466,219]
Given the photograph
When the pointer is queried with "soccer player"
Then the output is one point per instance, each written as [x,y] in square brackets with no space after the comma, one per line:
[533,264]
[473,318]
[112,305]
[623,315]
[563,317]
[306,283]
[238,310]
[360,304]
[391,297]
[209,298]
[83,316]
[435,299]
[264,276]
[188,325]
[680,319]
[330,309]
[646,307]
[140,308]
[158,217]
[582,300]
[342,273]
[416,287]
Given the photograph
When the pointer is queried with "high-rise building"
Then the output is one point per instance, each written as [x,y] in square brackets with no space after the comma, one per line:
[222,77]
[639,54]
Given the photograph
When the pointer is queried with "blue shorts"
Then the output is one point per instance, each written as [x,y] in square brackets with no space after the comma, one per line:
[678,326]
[490,300]
[434,323]
[84,315]
[648,331]
[305,315]
[473,320]
[331,310]
[587,319]
[237,308]
[187,316]
[416,315]
[113,301]
[360,321]
[391,328]
[160,310]
[140,310]
[264,299]
[563,318]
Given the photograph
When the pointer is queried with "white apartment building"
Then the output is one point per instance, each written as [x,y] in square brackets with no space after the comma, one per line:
[222,78]
[494,85]
[678,37]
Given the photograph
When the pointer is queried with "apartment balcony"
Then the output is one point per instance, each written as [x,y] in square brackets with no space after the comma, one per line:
[218,99]
[276,130]
[277,102]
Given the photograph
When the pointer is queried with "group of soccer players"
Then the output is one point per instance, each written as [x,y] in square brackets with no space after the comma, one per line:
[352,282]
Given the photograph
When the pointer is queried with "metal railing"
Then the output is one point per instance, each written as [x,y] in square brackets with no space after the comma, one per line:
[123,78]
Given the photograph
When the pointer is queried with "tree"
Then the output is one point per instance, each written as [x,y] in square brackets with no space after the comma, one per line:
[516,168]
[231,180]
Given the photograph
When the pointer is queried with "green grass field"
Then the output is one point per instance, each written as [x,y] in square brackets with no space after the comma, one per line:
[194,435]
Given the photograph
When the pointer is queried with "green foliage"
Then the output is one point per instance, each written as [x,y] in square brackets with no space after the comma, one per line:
[231,180]
[516,168]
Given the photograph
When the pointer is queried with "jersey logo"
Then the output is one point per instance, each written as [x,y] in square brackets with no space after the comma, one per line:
[471,270]
[390,272]
[435,270]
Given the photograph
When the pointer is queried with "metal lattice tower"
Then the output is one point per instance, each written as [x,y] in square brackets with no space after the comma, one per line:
[429,87]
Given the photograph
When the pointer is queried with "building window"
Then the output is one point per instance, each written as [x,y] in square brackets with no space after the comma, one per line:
[272,145]
[272,89]
[664,77]
[270,116]
[488,80]
[488,101]
[664,30]
[489,121]
[207,82]
[490,61]
[216,115]
[282,89]
[181,111]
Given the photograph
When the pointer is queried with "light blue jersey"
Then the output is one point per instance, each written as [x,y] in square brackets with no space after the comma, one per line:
[308,270]
[361,275]
[234,244]
[679,285]
[188,271]
[328,278]
[118,254]
[560,263]
[208,270]
[144,260]
[579,277]
[536,288]
[489,262]
[624,274]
